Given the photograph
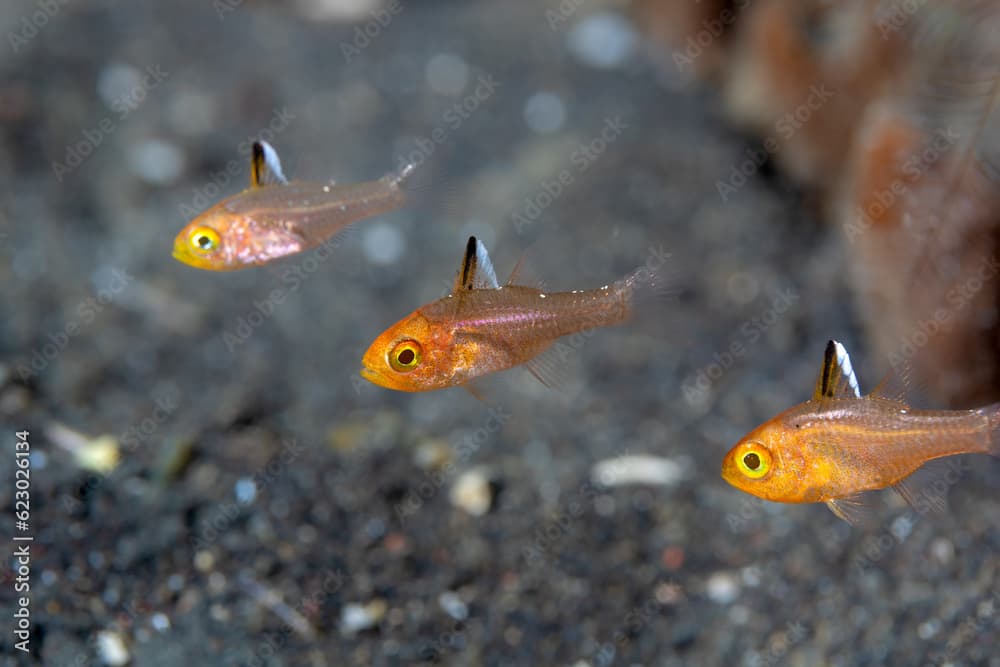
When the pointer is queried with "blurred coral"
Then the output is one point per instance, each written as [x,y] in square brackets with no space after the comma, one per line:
[885,108]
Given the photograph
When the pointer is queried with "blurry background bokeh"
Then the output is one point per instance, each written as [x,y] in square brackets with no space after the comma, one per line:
[214,484]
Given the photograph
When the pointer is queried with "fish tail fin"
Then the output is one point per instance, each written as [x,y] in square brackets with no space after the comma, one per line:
[652,282]
[420,180]
[992,413]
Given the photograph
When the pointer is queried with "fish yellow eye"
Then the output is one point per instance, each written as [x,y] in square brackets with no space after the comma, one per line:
[405,356]
[755,462]
[204,239]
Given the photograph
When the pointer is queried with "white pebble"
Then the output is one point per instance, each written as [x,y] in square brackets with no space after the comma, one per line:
[453,605]
[639,469]
[160,622]
[383,243]
[472,493]
[447,74]
[942,550]
[111,648]
[156,162]
[928,629]
[245,490]
[722,588]
[901,528]
[117,83]
[605,40]
[357,617]
[544,112]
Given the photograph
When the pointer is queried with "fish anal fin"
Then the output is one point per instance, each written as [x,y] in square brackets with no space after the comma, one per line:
[265,166]
[836,377]
[550,367]
[925,490]
[476,271]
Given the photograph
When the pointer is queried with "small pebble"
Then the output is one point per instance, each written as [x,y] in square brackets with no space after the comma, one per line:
[605,40]
[111,648]
[117,83]
[357,617]
[901,528]
[447,74]
[204,561]
[928,629]
[453,605]
[544,112]
[640,469]
[942,550]
[245,490]
[472,492]
[383,243]
[156,162]
[722,588]
[160,622]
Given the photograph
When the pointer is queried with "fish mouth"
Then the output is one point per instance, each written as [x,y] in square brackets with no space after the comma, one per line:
[373,376]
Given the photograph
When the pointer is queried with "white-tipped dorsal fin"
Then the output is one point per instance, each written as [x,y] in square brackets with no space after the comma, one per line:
[265,166]
[477,269]
[836,378]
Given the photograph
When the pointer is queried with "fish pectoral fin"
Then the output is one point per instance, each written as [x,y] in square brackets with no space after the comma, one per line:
[836,378]
[265,166]
[851,509]
[476,271]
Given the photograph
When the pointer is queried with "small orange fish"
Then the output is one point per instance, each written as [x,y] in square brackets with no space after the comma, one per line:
[483,327]
[839,444]
[274,218]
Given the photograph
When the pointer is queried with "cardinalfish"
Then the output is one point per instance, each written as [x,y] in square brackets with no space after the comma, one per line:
[483,327]
[839,443]
[274,218]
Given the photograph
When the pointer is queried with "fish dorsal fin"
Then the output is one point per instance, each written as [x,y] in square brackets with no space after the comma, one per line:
[265,166]
[477,269]
[836,378]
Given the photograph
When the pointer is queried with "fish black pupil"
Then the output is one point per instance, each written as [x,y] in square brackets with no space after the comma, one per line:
[204,242]
[751,461]
[406,357]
